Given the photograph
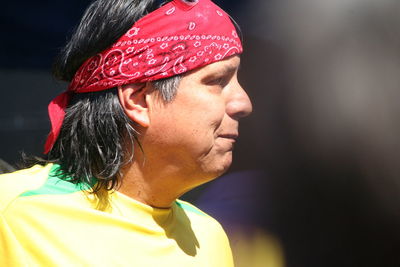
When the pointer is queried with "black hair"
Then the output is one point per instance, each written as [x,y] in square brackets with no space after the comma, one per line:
[97,138]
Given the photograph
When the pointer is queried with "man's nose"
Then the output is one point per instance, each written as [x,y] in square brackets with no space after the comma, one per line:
[239,104]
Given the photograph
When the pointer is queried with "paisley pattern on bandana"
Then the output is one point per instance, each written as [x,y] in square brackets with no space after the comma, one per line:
[178,37]
[171,40]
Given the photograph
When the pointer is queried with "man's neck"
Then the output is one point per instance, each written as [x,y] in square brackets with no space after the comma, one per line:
[158,189]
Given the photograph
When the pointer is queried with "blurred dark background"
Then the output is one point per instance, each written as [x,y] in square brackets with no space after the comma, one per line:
[315,179]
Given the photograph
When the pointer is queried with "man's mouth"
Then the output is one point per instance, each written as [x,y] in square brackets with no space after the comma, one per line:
[232,136]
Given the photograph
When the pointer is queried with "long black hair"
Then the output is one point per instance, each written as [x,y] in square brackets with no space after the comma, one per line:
[97,139]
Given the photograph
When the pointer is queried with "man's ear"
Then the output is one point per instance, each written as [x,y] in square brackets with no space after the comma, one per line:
[133,100]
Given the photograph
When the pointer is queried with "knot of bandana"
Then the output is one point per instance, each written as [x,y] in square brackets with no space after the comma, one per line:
[178,37]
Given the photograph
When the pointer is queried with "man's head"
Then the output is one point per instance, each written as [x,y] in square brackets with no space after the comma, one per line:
[184,124]
[192,137]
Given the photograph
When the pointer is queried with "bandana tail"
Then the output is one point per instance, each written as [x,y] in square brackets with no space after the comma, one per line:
[56,110]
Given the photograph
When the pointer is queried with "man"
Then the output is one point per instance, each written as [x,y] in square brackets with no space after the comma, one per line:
[151,112]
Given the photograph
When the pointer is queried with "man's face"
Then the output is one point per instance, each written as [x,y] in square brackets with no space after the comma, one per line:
[194,135]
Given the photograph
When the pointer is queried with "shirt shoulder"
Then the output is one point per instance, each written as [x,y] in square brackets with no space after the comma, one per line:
[199,218]
[193,212]
[191,208]
[210,234]
[14,184]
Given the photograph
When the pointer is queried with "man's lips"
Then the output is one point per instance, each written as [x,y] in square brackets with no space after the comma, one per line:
[232,136]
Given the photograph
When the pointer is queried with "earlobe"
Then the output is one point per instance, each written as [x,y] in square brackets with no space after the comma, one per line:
[133,100]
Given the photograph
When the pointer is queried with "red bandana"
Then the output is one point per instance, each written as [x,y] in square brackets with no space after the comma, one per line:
[178,37]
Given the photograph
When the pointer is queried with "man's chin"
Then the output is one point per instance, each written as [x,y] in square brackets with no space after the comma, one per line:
[223,167]
[215,169]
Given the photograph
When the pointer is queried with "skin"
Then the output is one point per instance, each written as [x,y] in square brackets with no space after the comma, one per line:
[188,141]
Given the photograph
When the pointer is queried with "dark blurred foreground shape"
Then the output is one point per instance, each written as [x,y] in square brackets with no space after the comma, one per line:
[343,118]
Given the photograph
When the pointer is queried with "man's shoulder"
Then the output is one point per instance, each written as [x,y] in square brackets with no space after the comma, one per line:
[199,217]
[188,207]
[208,232]
[16,183]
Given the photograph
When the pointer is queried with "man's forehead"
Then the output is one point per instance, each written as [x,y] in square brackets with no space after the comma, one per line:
[228,65]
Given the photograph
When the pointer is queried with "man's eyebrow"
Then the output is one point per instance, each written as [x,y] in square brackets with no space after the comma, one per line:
[228,69]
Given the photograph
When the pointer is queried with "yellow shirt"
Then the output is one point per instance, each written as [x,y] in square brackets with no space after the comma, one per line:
[46,221]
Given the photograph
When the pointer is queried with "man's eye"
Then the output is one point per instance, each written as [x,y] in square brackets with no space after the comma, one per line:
[218,81]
